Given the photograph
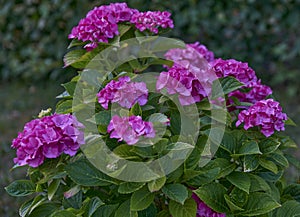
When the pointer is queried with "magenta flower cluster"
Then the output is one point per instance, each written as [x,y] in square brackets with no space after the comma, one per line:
[152,20]
[256,93]
[243,73]
[266,114]
[190,55]
[48,137]
[101,23]
[130,129]
[203,210]
[123,92]
[179,80]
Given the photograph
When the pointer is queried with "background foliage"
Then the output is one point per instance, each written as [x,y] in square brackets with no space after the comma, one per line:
[33,40]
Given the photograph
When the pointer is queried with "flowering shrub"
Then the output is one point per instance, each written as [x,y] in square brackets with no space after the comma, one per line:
[200,138]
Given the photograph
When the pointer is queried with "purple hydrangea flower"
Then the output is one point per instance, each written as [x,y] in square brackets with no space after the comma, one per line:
[179,80]
[256,93]
[124,92]
[241,71]
[203,210]
[129,129]
[48,137]
[266,114]
[100,24]
[191,55]
[152,20]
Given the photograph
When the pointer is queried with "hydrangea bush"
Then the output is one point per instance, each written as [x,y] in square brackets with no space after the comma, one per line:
[201,137]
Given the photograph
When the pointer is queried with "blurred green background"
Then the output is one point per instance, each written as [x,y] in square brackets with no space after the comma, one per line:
[33,40]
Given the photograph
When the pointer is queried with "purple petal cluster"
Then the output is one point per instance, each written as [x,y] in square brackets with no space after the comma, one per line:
[48,137]
[130,129]
[152,20]
[100,24]
[191,55]
[179,80]
[124,92]
[240,70]
[256,93]
[203,210]
[266,114]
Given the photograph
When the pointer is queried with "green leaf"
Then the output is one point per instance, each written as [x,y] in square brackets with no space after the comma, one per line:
[258,184]
[64,107]
[251,162]
[25,207]
[122,28]
[157,184]
[149,212]
[224,86]
[248,148]
[269,145]
[70,87]
[44,210]
[290,122]
[141,199]
[129,187]
[73,56]
[53,188]
[124,210]
[231,204]
[84,173]
[163,213]
[106,210]
[279,158]
[259,203]
[20,188]
[269,165]
[240,180]
[293,191]
[188,209]
[213,195]
[290,208]
[136,110]
[176,192]
[92,205]
[63,213]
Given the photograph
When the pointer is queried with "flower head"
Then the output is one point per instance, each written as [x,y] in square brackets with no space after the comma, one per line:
[152,20]
[203,210]
[190,55]
[124,92]
[130,129]
[256,93]
[241,71]
[266,114]
[48,137]
[100,24]
[178,80]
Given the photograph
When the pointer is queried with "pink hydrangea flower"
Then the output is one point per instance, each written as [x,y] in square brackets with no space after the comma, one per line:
[191,55]
[256,93]
[130,129]
[124,92]
[48,137]
[179,80]
[152,20]
[203,210]
[266,114]
[241,71]
[100,24]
